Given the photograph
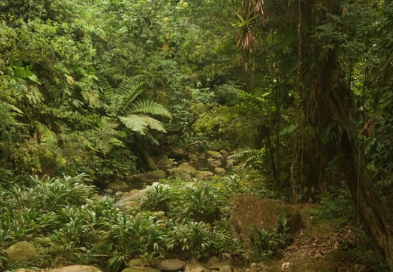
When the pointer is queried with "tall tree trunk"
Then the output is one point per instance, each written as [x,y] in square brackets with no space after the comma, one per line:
[373,214]
[328,108]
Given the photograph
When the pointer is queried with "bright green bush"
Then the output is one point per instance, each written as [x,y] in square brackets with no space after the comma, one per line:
[70,223]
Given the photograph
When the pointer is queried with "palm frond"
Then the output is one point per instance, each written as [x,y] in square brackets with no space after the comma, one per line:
[150,107]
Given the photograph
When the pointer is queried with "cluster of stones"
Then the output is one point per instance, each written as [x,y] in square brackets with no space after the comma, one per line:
[198,166]
[25,252]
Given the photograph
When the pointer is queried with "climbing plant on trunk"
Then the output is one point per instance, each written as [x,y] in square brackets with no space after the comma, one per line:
[326,102]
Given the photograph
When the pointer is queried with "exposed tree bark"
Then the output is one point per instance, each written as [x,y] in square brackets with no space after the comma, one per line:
[271,155]
[373,214]
[328,108]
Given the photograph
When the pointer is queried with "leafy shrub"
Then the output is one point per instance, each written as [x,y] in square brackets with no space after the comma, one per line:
[266,244]
[157,198]
[62,215]
[200,203]
[336,206]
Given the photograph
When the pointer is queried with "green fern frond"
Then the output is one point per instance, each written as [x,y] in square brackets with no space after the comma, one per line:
[106,136]
[77,103]
[105,87]
[45,134]
[8,114]
[134,122]
[254,102]
[128,85]
[248,156]
[150,107]
[140,123]
[115,104]
[154,124]
[92,98]
[13,108]
[132,93]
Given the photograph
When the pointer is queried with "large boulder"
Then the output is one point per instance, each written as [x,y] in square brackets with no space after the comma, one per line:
[76,268]
[250,211]
[22,252]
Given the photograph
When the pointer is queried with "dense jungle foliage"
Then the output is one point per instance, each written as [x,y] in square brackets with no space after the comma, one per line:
[93,90]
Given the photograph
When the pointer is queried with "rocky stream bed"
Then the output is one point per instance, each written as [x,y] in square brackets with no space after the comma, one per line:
[317,245]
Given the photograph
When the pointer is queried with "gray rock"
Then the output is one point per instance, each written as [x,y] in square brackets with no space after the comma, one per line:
[220,171]
[202,156]
[185,171]
[76,268]
[130,199]
[194,266]
[224,153]
[22,252]
[138,269]
[155,175]
[215,263]
[184,176]
[118,185]
[186,168]
[193,157]
[225,268]
[171,265]
[201,175]
[214,154]
[137,262]
[215,163]
[230,162]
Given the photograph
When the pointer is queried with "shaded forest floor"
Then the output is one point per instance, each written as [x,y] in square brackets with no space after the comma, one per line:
[321,246]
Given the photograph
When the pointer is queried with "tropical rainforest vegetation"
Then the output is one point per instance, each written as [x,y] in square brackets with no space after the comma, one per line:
[92,90]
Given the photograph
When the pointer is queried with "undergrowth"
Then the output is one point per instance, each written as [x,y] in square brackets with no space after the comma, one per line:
[69,222]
